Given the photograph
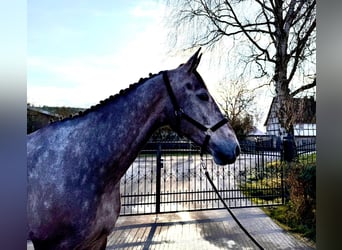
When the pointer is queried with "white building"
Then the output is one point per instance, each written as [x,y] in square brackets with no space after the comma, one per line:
[305,118]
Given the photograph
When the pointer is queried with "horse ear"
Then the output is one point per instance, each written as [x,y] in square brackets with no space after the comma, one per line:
[193,62]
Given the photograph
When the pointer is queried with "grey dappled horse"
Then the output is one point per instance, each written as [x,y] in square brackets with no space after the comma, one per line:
[75,165]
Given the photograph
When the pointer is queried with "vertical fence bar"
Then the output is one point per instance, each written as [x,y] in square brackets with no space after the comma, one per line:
[159,167]
[239,184]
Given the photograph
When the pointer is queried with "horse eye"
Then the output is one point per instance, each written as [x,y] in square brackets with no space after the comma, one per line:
[203,96]
[188,86]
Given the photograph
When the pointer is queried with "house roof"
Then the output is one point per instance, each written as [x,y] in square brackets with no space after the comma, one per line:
[256,131]
[43,112]
[305,107]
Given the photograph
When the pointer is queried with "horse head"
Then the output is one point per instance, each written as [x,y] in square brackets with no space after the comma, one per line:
[195,114]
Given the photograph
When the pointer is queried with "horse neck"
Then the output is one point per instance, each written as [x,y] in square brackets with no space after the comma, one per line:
[126,124]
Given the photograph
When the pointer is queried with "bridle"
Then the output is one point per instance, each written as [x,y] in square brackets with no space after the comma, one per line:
[180,114]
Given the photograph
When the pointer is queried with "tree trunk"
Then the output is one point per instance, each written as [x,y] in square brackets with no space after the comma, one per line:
[283,98]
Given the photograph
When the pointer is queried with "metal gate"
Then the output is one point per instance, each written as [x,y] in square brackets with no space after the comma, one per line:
[167,177]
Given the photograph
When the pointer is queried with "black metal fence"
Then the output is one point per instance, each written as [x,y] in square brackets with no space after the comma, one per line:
[167,177]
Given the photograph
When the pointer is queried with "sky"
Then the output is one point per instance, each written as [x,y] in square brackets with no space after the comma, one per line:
[83,51]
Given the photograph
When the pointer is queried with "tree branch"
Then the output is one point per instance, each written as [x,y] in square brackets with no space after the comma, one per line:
[304,87]
[299,49]
[245,32]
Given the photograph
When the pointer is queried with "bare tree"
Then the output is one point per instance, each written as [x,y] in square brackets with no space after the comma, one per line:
[273,38]
[237,102]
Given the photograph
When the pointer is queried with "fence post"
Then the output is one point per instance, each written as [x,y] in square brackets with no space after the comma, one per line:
[289,154]
[159,167]
[260,162]
[289,148]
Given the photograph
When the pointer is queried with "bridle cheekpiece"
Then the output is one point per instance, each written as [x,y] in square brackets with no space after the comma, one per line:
[180,114]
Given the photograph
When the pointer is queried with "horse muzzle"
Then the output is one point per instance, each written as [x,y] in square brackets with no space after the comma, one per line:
[224,155]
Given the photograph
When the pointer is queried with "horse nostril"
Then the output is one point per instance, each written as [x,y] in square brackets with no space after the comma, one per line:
[237,150]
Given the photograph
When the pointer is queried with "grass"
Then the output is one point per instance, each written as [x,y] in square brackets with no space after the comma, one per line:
[288,219]
[298,214]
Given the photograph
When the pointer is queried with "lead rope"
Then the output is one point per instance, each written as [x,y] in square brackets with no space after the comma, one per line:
[179,115]
[203,165]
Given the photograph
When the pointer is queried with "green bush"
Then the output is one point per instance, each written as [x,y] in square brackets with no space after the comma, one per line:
[298,214]
[301,187]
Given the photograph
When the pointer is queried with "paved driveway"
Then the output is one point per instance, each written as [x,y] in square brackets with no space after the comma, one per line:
[213,229]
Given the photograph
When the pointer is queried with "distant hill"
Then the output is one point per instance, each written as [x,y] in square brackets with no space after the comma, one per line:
[38,117]
[62,111]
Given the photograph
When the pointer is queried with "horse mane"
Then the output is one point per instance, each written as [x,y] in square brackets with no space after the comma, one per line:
[111,98]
